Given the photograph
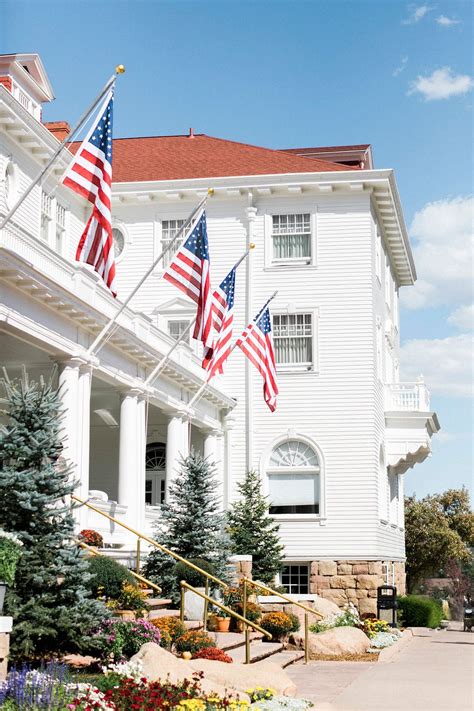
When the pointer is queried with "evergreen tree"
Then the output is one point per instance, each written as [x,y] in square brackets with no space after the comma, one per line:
[191,524]
[49,601]
[253,532]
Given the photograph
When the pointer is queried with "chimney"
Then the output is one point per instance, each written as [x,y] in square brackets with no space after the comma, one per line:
[191,133]
[59,129]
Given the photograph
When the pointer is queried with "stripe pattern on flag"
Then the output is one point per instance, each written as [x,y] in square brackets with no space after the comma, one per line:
[189,271]
[257,344]
[222,320]
[90,175]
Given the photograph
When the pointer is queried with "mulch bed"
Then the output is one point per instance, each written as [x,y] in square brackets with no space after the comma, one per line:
[344,657]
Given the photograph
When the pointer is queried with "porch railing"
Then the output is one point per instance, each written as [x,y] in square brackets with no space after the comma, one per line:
[407,396]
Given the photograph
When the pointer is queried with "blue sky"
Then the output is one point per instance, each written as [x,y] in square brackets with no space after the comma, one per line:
[286,73]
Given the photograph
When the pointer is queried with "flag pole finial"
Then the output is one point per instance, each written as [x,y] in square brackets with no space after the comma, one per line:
[120,69]
[210,191]
[252,245]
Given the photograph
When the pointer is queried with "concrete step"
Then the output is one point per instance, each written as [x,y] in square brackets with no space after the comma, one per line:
[287,657]
[155,603]
[153,614]
[232,640]
[258,651]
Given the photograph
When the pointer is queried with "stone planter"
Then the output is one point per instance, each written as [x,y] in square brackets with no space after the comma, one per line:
[193,605]
[3,590]
[125,614]
[5,629]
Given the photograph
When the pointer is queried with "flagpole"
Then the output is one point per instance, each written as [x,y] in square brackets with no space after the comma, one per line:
[205,384]
[114,318]
[119,69]
[155,372]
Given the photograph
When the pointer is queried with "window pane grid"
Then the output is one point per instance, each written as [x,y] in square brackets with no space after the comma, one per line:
[293,338]
[295,578]
[177,328]
[169,229]
[291,237]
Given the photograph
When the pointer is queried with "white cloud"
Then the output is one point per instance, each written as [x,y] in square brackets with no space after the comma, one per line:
[441,84]
[417,14]
[401,67]
[445,363]
[463,318]
[447,21]
[443,234]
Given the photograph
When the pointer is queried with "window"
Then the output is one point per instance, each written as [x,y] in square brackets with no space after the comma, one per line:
[295,578]
[393,497]
[46,215]
[169,229]
[9,185]
[155,481]
[60,226]
[291,238]
[378,257]
[293,479]
[177,328]
[293,339]
[119,241]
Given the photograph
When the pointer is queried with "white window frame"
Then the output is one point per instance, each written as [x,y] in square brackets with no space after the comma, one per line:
[47,217]
[60,227]
[265,469]
[297,262]
[164,241]
[295,564]
[299,367]
[121,227]
[178,318]
[378,255]
[10,174]
[158,487]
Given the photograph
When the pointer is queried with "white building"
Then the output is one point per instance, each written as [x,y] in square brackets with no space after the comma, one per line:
[329,236]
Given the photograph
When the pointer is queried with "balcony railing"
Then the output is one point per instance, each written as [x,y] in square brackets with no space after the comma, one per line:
[407,396]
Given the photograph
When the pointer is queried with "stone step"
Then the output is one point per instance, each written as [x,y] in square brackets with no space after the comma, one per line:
[155,603]
[287,657]
[153,614]
[258,651]
[232,640]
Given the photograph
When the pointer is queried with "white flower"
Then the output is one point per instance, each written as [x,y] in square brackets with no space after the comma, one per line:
[128,670]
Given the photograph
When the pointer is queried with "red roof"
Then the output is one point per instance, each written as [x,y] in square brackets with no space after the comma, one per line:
[201,156]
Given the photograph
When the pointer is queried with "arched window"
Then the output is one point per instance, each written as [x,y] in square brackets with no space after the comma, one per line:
[118,237]
[155,482]
[294,479]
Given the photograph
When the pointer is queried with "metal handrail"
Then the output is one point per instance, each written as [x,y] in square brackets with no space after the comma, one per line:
[149,540]
[248,581]
[139,577]
[231,613]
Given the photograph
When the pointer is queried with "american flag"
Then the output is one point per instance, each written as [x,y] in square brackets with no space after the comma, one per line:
[90,175]
[223,317]
[189,272]
[257,344]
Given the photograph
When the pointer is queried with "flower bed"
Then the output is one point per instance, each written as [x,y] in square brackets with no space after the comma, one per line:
[117,639]
[381,640]
[348,617]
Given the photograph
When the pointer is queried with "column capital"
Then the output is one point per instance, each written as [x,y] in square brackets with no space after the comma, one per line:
[229,421]
[76,360]
[251,213]
[213,432]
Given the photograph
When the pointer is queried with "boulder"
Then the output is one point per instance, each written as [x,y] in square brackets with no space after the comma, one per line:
[158,663]
[241,677]
[325,607]
[335,642]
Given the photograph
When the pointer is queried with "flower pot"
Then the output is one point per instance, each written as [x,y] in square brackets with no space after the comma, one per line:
[187,655]
[223,624]
[3,589]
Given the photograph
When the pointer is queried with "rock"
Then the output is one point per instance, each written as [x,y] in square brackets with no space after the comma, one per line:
[240,677]
[325,607]
[314,567]
[344,569]
[335,642]
[375,568]
[368,606]
[327,567]
[319,582]
[367,582]
[360,569]
[160,664]
[338,597]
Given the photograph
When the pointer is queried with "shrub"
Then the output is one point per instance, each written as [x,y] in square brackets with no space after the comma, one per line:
[91,538]
[193,641]
[116,639]
[214,654]
[419,611]
[295,621]
[171,628]
[348,617]
[192,577]
[131,598]
[107,577]
[278,624]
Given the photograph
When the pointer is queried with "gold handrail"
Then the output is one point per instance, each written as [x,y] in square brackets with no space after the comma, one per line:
[139,577]
[253,583]
[151,542]
[231,613]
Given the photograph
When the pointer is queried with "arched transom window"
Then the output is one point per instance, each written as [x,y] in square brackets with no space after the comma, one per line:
[294,479]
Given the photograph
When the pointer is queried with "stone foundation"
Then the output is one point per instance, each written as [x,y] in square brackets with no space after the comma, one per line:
[356,581]
[239,566]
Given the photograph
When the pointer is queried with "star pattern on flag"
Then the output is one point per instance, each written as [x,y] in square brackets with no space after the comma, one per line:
[102,135]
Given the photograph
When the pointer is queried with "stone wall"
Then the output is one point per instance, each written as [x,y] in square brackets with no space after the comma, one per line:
[239,566]
[343,581]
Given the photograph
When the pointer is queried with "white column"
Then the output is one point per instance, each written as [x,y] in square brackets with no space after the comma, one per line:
[177,446]
[132,446]
[213,451]
[75,387]
[229,422]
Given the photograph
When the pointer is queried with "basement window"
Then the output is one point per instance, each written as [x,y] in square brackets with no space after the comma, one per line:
[295,579]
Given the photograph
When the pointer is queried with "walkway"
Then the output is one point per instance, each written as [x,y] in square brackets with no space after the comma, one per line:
[433,672]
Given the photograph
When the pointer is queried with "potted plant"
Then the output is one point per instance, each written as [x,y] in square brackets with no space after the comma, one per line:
[10,552]
[223,622]
[130,604]
[91,538]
